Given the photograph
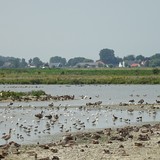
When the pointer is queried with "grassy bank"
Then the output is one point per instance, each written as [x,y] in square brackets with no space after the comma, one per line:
[80,76]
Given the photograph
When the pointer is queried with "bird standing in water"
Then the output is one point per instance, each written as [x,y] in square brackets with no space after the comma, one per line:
[6,137]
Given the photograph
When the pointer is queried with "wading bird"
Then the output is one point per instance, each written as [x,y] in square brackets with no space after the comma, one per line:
[6,137]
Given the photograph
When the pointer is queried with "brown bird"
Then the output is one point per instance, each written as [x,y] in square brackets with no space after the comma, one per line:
[39,115]
[114,117]
[48,116]
[157,101]
[131,101]
[140,101]
[6,137]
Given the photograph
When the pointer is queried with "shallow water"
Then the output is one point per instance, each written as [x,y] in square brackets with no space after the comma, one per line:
[108,94]
[28,129]
[23,120]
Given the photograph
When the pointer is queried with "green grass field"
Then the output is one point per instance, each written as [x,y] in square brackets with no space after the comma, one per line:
[81,76]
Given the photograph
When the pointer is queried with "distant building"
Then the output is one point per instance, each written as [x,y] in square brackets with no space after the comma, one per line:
[45,65]
[31,66]
[55,65]
[135,65]
[96,64]
[121,64]
[86,65]
[101,64]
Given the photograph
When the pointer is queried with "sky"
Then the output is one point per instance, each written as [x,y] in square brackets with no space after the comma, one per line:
[78,28]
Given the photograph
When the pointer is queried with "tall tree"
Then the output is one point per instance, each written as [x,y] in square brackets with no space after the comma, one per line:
[58,59]
[76,60]
[140,58]
[30,61]
[130,57]
[155,56]
[88,60]
[155,60]
[1,63]
[107,56]
[16,62]
[23,63]
[37,62]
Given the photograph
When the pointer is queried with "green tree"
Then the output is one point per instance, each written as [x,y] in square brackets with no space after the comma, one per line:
[155,56]
[58,59]
[73,61]
[129,58]
[30,61]
[1,63]
[88,60]
[15,62]
[147,61]
[140,58]
[154,63]
[23,63]
[37,62]
[155,60]
[107,56]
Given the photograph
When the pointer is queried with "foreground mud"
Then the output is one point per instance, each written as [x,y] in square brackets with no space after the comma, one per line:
[131,142]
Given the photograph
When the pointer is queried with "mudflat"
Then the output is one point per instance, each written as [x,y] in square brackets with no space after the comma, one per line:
[130,142]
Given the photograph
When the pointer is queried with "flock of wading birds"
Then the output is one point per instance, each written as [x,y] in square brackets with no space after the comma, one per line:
[78,124]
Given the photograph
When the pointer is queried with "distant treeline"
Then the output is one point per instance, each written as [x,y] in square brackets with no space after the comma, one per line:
[106,57]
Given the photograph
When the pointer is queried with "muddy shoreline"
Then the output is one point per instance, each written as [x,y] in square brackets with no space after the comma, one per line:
[130,142]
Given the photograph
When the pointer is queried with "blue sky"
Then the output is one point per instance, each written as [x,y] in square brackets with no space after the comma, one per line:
[78,28]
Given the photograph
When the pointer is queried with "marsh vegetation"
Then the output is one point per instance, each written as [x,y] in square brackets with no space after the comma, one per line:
[80,76]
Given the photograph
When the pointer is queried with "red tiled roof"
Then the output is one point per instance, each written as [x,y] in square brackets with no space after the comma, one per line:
[135,65]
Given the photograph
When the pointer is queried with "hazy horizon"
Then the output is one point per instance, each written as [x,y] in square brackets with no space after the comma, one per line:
[72,28]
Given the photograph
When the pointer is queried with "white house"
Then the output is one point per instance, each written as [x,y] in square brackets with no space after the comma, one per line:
[121,64]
